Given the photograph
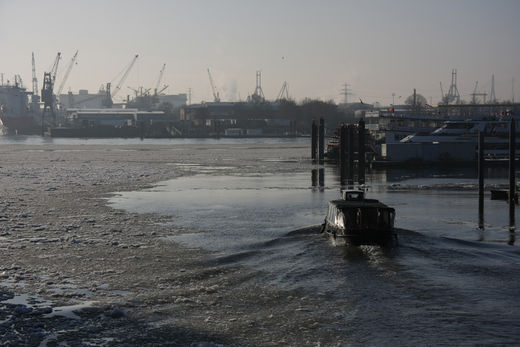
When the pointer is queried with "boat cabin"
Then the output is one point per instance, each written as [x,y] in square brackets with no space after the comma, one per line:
[358,220]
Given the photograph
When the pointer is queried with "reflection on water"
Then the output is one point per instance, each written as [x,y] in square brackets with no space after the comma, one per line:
[278,203]
[446,282]
[318,178]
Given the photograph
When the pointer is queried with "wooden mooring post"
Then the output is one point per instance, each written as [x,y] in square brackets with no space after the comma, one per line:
[314,141]
[512,179]
[350,167]
[480,180]
[321,143]
[343,155]
[361,151]
[314,177]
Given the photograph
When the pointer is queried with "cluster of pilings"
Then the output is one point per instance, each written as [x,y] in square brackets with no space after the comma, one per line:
[351,153]
[347,150]
[318,142]
[512,179]
[318,152]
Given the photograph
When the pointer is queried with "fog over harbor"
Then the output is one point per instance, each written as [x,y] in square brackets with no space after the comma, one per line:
[273,173]
[376,47]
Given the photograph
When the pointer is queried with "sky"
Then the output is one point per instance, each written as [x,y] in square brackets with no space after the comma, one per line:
[377,47]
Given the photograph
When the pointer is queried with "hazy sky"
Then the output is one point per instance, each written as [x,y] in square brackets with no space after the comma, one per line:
[377,47]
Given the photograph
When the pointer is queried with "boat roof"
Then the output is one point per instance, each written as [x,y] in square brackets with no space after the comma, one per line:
[370,203]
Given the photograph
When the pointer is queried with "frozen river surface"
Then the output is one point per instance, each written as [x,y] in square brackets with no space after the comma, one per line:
[446,282]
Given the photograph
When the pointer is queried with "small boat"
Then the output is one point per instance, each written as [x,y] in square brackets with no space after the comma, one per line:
[356,220]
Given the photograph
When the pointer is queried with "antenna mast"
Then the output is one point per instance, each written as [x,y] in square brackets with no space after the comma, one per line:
[345,92]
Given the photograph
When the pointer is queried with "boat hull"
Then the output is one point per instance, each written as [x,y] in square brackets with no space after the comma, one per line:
[358,236]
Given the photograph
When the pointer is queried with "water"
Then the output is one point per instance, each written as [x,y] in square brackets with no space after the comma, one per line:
[446,282]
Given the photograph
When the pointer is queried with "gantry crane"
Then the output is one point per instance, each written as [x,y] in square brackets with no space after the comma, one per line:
[216,97]
[107,102]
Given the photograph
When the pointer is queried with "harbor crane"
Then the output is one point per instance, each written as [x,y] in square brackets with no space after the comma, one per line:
[453,95]
[162,89]
[34,79]
[258,95]
[284,92]
[107,102]
[161,73]
[67,73]
[216,97]
[476,94]
[47,92]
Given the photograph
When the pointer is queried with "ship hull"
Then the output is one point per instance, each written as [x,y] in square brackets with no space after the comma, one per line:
[25,125]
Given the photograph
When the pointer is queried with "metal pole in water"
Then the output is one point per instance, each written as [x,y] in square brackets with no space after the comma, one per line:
[322,141]
[342,152]
[480,180]
[361,152]
[512,184]
[350,167]
[314,140]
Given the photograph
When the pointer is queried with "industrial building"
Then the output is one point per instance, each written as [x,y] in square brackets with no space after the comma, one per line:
[113,117]
[234,119]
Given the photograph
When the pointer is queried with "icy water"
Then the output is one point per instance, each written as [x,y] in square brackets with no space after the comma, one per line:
[445,283]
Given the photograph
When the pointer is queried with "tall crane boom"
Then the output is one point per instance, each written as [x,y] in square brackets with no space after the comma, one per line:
[216,97]
[284,92]
[67,72]
[125,75]
[159,79]
[54,68]
[48,84]
[34,79]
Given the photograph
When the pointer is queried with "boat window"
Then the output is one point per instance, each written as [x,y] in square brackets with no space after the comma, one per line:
[353,195]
